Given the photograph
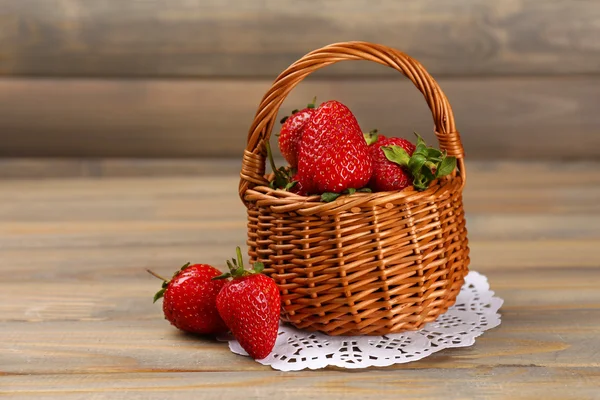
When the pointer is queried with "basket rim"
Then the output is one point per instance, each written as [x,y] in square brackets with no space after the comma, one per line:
[282,201]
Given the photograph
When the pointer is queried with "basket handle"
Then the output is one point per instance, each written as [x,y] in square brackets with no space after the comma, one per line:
[253,162]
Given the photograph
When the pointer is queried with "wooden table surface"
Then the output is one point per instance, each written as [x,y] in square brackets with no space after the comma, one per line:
[77,319]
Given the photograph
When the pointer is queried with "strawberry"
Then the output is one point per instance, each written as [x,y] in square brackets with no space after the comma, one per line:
[291,132]
[190,299]
[333,154]
[388,175]
[250,305]
[398,162]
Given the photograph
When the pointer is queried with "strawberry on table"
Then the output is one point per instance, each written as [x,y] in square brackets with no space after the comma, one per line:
[190,298]
[291,132]
[333,155]
[250,306]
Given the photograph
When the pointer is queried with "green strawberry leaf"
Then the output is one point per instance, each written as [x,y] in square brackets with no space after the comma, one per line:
[446,167]
[396,154]
[371,137]
[259,267]
[240,258]
[420,182]
[290,185]
[231,265]
[282,120]
[421,146]
[434,154]
[236,267]
[428,175]
[224,275]
[159,294]
[416,162]
[328,197]
[185,266]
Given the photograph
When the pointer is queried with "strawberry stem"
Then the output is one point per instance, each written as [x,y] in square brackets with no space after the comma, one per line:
[163,287]
[270,156]
[157,275]
[283,176]
[431,165]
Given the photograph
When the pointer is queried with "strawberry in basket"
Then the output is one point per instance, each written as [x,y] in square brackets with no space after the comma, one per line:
[329,155]
[388,175]
[291,132]
[333,155]
[326,151]
[399,164]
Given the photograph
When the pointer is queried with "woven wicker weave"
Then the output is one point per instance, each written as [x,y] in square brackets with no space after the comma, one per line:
[367,263]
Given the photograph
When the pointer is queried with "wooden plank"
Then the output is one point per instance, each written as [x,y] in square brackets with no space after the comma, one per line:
[567,383]
[128,296]
[27,168]
[69,347]
[491,383]
[541,118]
[239,38]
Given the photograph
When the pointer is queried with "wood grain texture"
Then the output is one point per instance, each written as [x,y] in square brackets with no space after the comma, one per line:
[541,118]
[107,346]
[128,297]
[492,383]
[134,345]
[37,168]
[77,320]
[240,38]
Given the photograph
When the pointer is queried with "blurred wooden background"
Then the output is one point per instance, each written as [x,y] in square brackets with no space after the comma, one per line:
[183,78]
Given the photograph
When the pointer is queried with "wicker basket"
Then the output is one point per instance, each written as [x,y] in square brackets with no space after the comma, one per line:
[367,263]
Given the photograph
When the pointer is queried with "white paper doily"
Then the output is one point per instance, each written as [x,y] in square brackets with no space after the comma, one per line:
[475,311]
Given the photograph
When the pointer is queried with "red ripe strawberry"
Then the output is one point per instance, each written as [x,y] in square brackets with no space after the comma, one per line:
[291,132]
[333,154]
[250,305]
[399,163]
[388,175]
[190,299]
